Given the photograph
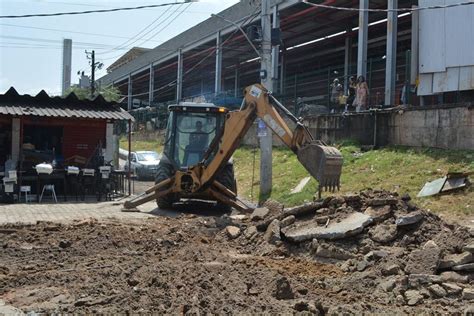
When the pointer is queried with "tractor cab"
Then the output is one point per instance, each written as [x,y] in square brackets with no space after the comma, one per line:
[192,128]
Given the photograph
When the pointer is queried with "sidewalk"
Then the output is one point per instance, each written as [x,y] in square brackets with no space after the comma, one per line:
[66,212]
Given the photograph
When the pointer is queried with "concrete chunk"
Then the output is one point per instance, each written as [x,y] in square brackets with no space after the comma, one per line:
[259,213]
[409,219]
[413,297]
[468,293]
[379,213]
[272,235]
[232,231]
[350,226]
[451,276]
[452,288]
[287,221]
[424,260]
[464,267]
[437,291]
[469,248]
[383,233]
[455,260]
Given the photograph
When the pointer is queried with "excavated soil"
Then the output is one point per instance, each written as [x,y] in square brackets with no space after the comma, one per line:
[192,264]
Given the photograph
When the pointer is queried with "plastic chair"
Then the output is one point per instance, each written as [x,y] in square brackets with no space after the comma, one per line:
[49,187]
[25,189]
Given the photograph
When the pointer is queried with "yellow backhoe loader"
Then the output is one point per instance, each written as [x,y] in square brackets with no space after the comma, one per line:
[201,138]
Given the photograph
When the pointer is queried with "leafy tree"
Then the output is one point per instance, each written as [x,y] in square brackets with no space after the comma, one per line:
[109,93]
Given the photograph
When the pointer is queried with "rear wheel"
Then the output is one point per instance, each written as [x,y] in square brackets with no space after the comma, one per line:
[227,179]
[164,172]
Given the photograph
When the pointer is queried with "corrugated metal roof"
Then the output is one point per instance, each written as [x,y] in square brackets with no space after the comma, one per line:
[11,103]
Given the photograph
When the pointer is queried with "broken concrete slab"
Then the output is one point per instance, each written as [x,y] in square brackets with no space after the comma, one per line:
[250,232]
[424,260]
[451,276]
[409,219]
[350,226]
[391,269]
[469,267]
[300,185]
[287,221]
[383,201]
[379,213]
[332,252]
[437,291]
[272,235]
[417,280]
[259,214]
[452,288]
[383,233]
[455,260]
[469,248]
[468,293]
[413,297]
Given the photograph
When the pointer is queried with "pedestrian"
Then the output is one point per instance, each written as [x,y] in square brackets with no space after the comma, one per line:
[351,93]
[336,93]
[362,95]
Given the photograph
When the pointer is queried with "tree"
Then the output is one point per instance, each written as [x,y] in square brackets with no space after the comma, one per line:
[109,93]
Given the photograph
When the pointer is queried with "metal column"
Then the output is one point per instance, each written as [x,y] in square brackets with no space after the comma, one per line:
[415,15]
[275,49]
[347,60]
[218,81]
[236,81]
[179,77]
[391,55]
[129,91]
[267,82]
[281,89]
[151,85]
[362,42]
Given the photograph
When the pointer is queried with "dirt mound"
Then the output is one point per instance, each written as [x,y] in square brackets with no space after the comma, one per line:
[373,252]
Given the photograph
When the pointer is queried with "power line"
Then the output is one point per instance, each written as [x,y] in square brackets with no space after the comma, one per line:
[142,30]
[172,83]
[156,33]
[151,30]
[70,31]
[324,6]
[92,11]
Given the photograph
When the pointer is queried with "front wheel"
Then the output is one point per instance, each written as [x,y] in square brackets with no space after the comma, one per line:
[164,172]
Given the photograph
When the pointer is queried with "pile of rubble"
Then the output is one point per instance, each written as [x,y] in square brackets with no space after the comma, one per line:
[413,255]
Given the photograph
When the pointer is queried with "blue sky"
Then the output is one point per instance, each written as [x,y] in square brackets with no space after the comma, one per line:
[31,56]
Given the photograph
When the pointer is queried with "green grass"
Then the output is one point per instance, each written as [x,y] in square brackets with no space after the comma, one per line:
[399,169]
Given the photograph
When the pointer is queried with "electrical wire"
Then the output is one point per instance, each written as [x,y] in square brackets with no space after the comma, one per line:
[91,11]
[73,32]
[139,33]
[172,83]
[152,36]
[324,6]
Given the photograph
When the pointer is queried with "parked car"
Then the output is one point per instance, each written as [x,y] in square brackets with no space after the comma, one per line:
[144,164]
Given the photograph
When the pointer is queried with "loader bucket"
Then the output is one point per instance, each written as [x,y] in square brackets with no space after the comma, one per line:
[324,163]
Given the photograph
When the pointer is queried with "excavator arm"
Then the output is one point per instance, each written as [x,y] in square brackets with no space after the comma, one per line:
[324,163]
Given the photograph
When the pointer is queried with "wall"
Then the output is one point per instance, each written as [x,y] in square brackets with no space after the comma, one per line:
[450,127]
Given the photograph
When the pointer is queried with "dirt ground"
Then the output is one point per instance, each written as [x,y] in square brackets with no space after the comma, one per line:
[193,264]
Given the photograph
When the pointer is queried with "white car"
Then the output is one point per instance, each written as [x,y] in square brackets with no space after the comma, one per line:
[144,164]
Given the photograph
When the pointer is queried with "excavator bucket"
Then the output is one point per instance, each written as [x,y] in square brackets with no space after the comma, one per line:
[324,163]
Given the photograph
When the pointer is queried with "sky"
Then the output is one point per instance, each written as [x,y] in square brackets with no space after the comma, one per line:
[31,48]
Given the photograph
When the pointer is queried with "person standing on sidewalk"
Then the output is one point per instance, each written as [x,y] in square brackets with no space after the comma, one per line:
[362,95]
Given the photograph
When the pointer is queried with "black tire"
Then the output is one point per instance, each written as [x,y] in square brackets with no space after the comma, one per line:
[164,172]
[227,178]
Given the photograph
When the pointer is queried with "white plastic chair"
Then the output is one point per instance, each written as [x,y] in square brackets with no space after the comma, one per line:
[49,187]
[25,189]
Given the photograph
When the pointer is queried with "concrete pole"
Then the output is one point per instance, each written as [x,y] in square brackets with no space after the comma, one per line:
[267,82]
[347,60]
[129,98]
[415,15]
[218,81]
[391,55]
[362,43]
[151,85]
[179,77]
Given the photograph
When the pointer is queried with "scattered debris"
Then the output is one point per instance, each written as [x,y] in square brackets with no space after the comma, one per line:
[259,213]
[232,231]
[450,182]
[300,185]
[283,290]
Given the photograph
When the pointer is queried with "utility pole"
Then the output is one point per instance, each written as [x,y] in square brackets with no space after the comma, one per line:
[94,65]
[267,82]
